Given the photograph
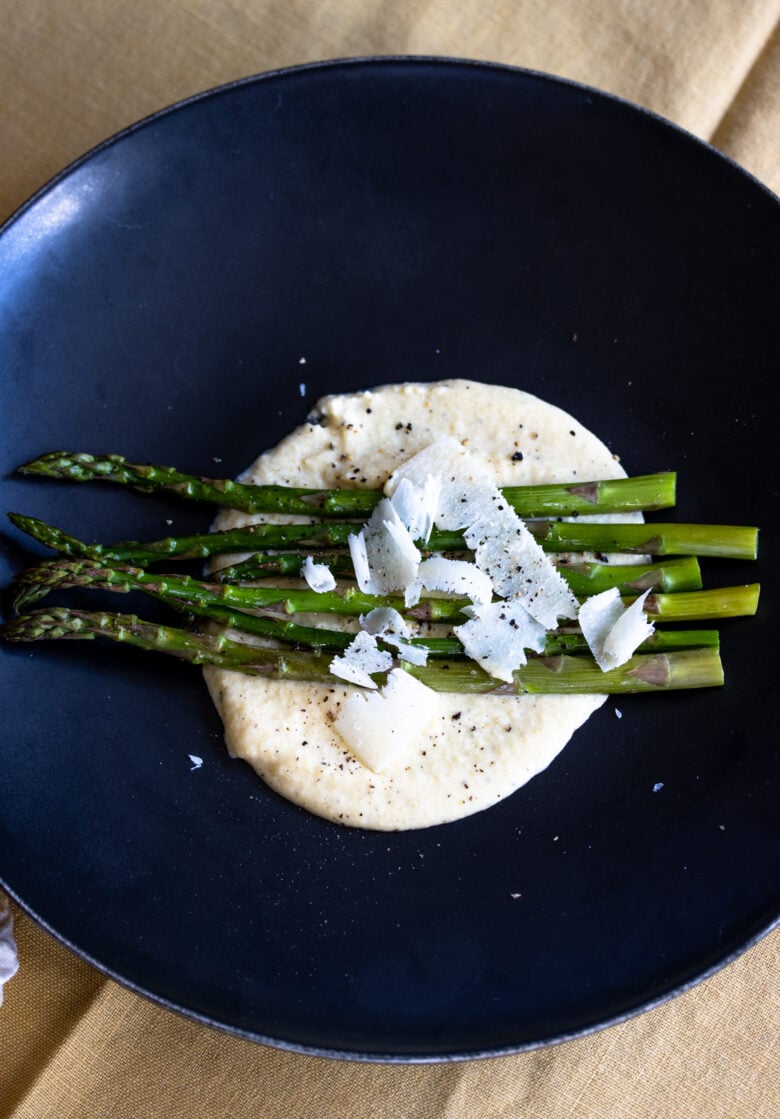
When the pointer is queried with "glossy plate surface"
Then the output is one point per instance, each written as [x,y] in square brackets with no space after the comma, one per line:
[390,220]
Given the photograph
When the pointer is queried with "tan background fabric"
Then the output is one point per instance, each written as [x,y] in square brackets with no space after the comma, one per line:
[74,1045]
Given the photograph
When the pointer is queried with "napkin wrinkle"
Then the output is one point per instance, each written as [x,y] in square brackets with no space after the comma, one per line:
[763,50]
[52,996]
[748,130]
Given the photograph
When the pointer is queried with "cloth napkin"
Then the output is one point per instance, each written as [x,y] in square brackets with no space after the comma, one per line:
[9,955]
[75,1045]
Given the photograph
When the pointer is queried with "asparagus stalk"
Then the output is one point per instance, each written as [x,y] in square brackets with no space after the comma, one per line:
[35,583]
[334,641]
[650,672]
[706,605]
[680,574]
[725,541]
[650,491]
[585,578]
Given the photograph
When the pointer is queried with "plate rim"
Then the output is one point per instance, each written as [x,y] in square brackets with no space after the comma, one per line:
[350,61]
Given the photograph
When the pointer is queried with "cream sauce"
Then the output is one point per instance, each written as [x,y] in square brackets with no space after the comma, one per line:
[478,749]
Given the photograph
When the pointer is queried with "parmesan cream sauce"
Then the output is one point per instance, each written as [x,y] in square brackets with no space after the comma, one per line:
[477,749]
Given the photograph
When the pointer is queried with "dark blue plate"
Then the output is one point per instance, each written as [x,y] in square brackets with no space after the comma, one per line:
[390,220]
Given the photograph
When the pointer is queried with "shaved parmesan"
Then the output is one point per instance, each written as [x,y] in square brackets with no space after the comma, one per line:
[413,654]
[318,576]
[417,505]
[412,593]
[361,658]
[385,620]
[392,627]
[380,726]
[518,567]
[503,546]
[498,635]
[613,632]
[391,555]
[456,577]
[359,556]
[446,459]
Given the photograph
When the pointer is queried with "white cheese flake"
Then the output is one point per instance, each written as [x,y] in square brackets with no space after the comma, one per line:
[318,576]
[360,659]
[458,577]
[382,726]
[412,593]
[413,654]
[384,620]
[392,627]
[390,551]
[445,459]
[613,632]
[445,486]
[498,635]
[359,557]
[503,546]
[417,505]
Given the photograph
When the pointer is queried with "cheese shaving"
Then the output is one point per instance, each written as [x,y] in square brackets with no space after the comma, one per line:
[613,632]
[318,576]
[503,546]
[392,627]
[445,459]
[456,577]
[359,556]
[380,726]
[384,620]
[498,635]
[361,658]
[518,567]
[417,505]
[387,557]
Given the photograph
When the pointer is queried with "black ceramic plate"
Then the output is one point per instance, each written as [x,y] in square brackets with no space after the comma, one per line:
[390,220]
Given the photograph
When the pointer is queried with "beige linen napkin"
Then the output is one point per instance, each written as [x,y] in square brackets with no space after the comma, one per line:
[74,1045]
[9,956]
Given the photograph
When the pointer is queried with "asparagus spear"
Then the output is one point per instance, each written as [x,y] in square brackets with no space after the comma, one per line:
[654,539]
[586,578]
[726,541]
[34,583]
[681,574]
[650,672]
[651,491]
[333,640]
